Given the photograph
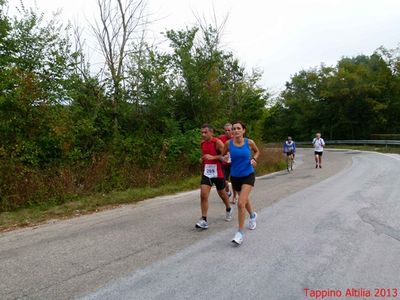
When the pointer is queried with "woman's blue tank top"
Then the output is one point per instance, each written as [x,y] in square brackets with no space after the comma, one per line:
[241,159]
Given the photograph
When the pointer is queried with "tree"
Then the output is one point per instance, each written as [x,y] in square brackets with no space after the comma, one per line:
[36,65]
[119,23]
[65,131]
[211,86]
[352,100]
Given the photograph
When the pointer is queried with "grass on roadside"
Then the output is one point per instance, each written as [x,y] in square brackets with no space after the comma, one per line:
[270,160]
[377,148]
[87,204]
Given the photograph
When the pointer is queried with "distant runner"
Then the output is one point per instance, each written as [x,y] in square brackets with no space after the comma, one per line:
[226,162]
[289,147]
[244,154]
[211,149]
[319,144]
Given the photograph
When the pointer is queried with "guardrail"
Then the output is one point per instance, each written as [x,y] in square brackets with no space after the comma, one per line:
[356,142]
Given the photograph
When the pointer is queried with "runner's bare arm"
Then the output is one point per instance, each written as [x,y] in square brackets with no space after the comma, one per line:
[255,150]
[201,158]
[226,148]
[220,147]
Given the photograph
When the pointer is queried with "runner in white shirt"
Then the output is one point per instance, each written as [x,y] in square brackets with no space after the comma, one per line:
[319,144]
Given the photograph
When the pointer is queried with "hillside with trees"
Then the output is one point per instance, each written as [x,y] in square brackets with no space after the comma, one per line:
[357,99]
[67,131]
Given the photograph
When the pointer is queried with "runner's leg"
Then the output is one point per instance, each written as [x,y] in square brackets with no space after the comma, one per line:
[249,207]
[226,170]
[244,204]
[287,162]
[224,197]
[229,212]
[204,194]
[235,196]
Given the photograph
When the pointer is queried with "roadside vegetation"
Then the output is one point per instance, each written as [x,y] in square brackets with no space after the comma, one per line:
[358,98]
[377,148]
[68,133]
[270,160]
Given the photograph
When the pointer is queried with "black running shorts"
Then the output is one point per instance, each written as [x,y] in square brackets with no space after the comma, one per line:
[219,182]
[227,171]
[319,153]
[237,182]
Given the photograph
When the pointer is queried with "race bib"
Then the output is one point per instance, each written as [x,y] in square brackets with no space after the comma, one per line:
[210,171]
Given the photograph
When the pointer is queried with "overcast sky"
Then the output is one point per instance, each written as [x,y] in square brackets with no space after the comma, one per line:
[279,37]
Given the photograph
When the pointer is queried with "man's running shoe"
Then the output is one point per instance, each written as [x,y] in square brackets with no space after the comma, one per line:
[229,215]
[252,222]
[203,224]
[238,238]
[316,166]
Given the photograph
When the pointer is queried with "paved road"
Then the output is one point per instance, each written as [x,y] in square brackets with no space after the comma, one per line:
[331,228]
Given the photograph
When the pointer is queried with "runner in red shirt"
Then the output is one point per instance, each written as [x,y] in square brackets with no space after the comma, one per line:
[226,162]
[211,157]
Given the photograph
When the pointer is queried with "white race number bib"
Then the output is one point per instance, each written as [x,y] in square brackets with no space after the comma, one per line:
[210,171]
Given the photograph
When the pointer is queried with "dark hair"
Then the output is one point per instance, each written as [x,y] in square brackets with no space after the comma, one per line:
[207,126]
[239,122]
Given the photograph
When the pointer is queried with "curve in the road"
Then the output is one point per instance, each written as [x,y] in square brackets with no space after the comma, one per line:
[342,233]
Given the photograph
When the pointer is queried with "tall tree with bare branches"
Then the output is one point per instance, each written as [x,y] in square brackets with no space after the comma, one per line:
[120,23]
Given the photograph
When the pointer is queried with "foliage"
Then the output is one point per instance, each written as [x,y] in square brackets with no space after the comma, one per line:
[66,132]
[355,99]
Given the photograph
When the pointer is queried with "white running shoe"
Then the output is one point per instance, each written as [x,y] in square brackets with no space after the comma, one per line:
[229,215]
[203,224]
[238,238]
[252,222]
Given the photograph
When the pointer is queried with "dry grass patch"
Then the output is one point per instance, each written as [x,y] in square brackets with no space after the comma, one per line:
[270,160]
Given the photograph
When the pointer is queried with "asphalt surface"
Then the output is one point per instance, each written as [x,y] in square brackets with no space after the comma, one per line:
[332,228]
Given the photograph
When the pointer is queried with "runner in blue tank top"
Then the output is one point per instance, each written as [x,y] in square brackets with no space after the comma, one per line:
[244,154]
